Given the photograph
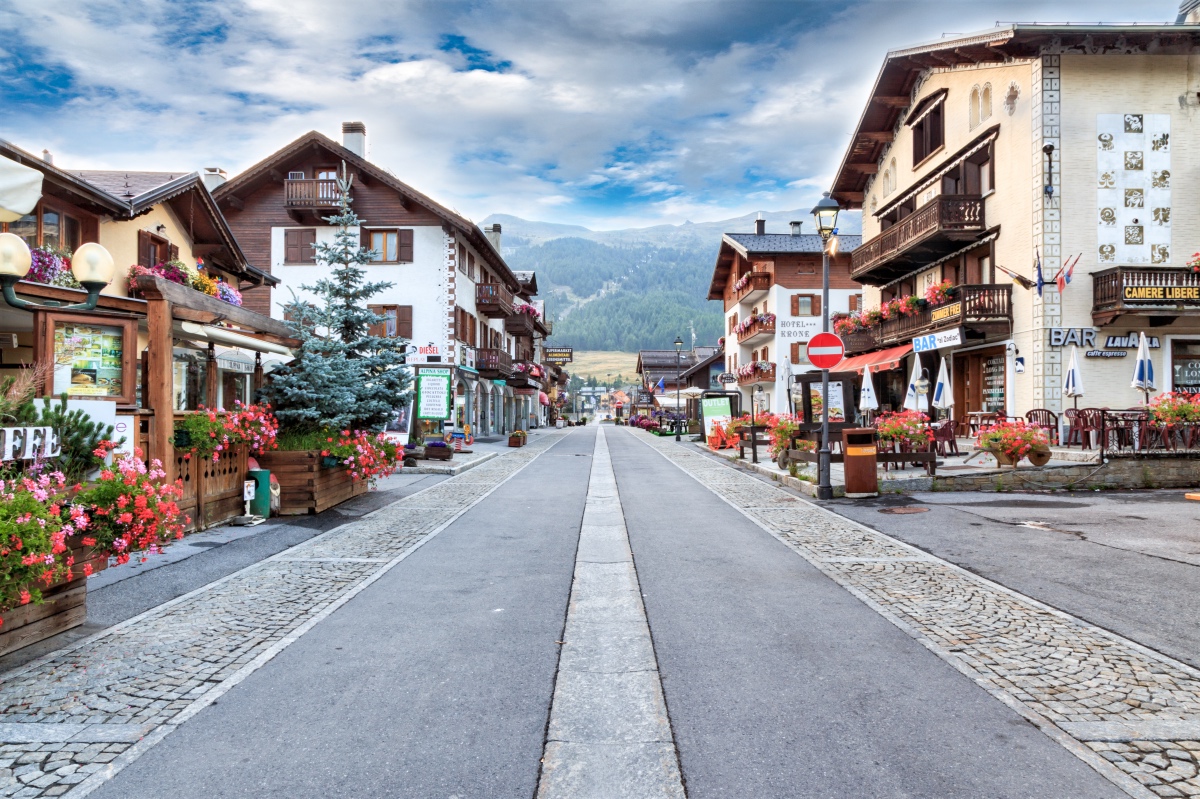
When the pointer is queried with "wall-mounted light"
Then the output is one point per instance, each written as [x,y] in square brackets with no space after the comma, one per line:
[1049,187]
[161,229]
[91,265]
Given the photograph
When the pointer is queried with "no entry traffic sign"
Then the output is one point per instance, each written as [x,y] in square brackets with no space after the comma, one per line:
[825,350]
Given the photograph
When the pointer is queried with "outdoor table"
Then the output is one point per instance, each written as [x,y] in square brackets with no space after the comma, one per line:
[977,419]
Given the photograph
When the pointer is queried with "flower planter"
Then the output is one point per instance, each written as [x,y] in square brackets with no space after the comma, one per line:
[1003,458]
[439,453]
[305,486]
[1039,456]
[64,605]
[516,441]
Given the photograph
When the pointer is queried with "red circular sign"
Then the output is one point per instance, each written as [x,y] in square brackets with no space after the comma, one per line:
[825,350]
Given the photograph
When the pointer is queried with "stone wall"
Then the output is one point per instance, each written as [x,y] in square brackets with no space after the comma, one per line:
[1117,473]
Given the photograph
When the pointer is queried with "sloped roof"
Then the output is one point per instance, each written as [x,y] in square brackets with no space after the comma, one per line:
[749,245]
[125,185]
[707,361]
[261,171]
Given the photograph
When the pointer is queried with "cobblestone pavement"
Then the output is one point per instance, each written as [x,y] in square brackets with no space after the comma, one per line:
[1129,712]
[73,719]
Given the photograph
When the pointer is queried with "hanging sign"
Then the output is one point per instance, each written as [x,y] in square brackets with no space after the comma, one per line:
[727,378]
[433,394]
[944,312]
[939,340]
[559,355]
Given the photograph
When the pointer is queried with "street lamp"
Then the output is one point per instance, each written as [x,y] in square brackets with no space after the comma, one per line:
[91,265]
[678,353]
[826,213]
[755,398]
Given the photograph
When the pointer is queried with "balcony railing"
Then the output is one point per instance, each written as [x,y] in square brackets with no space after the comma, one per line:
[493,364]
[1144,290]
[311,193]
[758,284]
[758,376]
[494,300]
[934,229]
[978,307]
[519,324]
[757,328]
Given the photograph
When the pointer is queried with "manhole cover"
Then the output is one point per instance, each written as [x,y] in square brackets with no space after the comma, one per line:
[905,509]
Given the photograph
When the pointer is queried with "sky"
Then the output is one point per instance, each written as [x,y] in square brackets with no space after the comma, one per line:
[603,113]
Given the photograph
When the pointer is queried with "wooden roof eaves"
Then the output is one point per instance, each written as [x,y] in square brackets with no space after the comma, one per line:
[65,179]
[716,289]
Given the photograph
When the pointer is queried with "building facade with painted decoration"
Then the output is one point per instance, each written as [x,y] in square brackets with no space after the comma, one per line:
[978,156]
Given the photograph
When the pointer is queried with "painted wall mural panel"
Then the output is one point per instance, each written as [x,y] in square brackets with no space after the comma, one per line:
[1133,188]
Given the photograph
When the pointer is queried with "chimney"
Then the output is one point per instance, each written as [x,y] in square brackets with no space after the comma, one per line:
[760,225]
[213,176]
[354,138]
[796,228]
[47,157]
[493,234]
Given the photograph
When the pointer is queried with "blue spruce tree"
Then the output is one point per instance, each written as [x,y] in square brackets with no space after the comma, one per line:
[343,377]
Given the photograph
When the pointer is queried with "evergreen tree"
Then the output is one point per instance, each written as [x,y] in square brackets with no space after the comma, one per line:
[343,376]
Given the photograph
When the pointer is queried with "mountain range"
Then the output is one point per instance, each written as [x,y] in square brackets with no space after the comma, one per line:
[633,289]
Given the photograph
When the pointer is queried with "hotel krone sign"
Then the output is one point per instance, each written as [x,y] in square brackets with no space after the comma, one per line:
[1161,293]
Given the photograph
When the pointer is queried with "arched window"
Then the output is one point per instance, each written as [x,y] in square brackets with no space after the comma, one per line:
[973,112]
[895,174]
[887,179]
[985,102]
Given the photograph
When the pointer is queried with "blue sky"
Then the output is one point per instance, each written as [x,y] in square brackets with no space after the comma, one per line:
[609,113]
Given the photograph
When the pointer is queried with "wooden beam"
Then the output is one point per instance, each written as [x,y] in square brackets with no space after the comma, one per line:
[234,202]
[973,58]
[892,101]
[866,169]
[204,249]
[158,384]
[153,287]
[363,178]
[876,135]
[297,215]
[66,295]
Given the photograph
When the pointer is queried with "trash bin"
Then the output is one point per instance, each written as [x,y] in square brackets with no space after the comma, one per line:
[859,463]
[261,504]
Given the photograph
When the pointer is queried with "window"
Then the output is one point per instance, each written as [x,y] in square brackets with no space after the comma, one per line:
[397,321]
[462,259]
[296,175]
[391,246]
[796,355]
[465,327]
[154,249]
[49,227]
[471,266]
[985,103]
[298,246]
[806,305]
[928,132]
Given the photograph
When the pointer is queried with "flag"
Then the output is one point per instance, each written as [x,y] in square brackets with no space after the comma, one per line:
[1020,280]
[1037,269]
[661,385]
[1065,272]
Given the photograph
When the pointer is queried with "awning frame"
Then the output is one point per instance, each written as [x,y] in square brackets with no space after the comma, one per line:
[889,358]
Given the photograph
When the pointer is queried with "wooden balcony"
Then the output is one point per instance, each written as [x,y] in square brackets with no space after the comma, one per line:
[758,377]
[525,379]
[755,288]
[937,228]
[985,309]
[494,300]
[757,329]
[519,324]
[311,193]
[493,364]
[1145,291]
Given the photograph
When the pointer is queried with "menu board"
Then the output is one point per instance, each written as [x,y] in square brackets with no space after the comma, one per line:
[88,359]
[433,394]
[993,384]
[1186,367]
[837,406]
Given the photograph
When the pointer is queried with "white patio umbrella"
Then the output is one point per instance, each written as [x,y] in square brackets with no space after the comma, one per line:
[867,401]
[1143,369]
[912,400]
[20,190]
[691,392]
[943,392]
[1072,381]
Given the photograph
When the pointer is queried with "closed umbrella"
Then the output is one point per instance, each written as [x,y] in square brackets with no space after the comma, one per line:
[1072,381]
[1143,369]
[867,401]
[914,401]
[943,392]
[20,190]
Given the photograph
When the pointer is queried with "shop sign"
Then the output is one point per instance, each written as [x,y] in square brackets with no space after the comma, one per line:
[1161,293]
[433,394]
[714,410]
[727,377]
[234,365]
[799,329]
[427,353]
[1131,340]
[1077,336]
[466,357]
[27,443]
[944,312]
[559,356]
[1105,354]
[939,340]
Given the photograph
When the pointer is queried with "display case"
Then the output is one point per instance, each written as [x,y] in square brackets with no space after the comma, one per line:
[91,356]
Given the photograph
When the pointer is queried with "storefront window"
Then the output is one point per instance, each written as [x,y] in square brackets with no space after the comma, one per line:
[1185,356]
[190,370]
[235,387]
[89,359]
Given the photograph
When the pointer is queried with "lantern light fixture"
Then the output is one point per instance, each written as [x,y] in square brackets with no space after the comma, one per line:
[826,213]
[92,266]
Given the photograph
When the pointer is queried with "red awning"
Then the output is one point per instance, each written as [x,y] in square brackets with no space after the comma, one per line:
[882,359]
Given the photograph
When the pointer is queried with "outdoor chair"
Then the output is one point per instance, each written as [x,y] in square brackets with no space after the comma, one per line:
[1091,420]
[945,439]
[1074,429]
[1045,419]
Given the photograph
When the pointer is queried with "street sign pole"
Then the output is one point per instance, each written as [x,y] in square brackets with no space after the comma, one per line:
[825,350]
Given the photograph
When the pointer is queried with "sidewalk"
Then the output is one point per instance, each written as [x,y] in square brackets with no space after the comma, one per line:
[482,451]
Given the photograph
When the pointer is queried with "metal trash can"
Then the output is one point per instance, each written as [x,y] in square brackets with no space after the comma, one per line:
[859,462]
[261,504]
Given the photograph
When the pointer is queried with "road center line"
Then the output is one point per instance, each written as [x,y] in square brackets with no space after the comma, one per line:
[609,735]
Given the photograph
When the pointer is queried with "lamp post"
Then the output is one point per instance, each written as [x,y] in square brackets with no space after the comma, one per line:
[91,265]
[826,213]
[678,353]
[754,398]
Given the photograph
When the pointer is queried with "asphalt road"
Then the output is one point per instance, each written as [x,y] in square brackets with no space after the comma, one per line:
[1128,561]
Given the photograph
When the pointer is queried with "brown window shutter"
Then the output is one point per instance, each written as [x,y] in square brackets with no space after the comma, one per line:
[145,249]
[291,246]
[795,352]
[172,252]
[855,303]
[405,246]
[816,305]
[364,237]
[765,355]
[404,321]
[795,305]
[308,238]
[378,328]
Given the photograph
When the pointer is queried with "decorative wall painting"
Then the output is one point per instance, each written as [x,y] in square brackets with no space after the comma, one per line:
[1133,189]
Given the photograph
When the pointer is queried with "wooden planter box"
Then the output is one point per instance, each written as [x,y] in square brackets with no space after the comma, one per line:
[64,605]
[439,453]
[516,441]
[306,487]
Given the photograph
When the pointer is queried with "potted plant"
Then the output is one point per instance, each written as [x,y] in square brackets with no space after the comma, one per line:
[438,451]
[517,438]
[1012,441]
[939,293]
[202,433]
[905,429]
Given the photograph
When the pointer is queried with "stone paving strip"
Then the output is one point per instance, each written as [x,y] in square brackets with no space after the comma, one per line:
[73,719]
[609,736]
[1129,712]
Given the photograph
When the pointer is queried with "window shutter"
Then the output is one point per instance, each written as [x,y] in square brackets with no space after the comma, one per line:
[377,329]
[404,321]
[405,246]
[795,352]
[291,246]
[308,238]
[172,252]
[145,249]
[855,302]
[795,305]
[816,305]
[765,355]
[364,236]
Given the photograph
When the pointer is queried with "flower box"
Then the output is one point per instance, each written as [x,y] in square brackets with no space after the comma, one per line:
[305,486]
[64,605]
[438,453]
[516,441]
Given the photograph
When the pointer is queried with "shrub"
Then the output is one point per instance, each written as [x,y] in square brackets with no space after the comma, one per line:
[34,525]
